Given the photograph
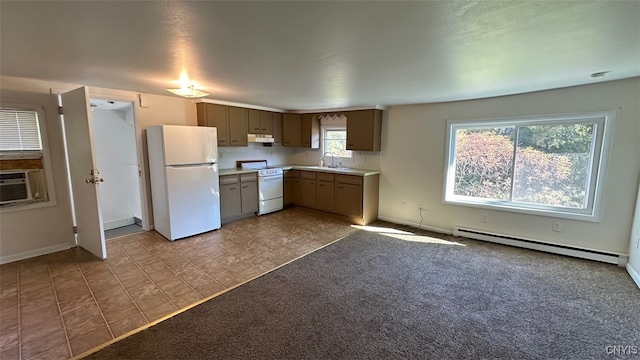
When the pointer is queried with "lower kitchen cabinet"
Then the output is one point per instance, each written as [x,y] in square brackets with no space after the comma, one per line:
[308,189]
[291,187]
[325,192]
[249,193]
[238,195]
[352,196]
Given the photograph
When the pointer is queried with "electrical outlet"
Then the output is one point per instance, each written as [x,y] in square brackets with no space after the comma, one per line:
[485,217]
[557,226]
[403,204]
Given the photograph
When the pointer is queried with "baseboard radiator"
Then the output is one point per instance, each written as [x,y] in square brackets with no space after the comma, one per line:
[601,256]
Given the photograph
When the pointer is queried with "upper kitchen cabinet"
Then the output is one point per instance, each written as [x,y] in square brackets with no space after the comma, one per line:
[232,122]
[291,130]
[217,116]
[310,131]
[277,128]
[238,126]
[364,129]
[260,122]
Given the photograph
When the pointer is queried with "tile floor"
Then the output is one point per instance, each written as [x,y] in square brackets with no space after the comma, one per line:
[63,304]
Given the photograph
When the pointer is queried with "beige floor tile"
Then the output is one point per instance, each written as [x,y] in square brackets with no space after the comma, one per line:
[42,337]
[145,277]
[81,322]
[12,353]
[129,324]
[155,306]
[57,353]
[89,341]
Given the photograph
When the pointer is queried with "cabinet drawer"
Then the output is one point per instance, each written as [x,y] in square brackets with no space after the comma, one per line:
[248,177]
[292,174]
[349,179]
[307,174]
[228,179]
[325,177]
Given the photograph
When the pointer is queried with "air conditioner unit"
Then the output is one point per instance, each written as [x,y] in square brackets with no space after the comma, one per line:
[14,187]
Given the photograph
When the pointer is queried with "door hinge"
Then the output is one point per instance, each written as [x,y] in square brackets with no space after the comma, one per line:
[60,110]
[75,229]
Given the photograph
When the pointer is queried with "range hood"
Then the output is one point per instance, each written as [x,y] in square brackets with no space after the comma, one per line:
[259,138]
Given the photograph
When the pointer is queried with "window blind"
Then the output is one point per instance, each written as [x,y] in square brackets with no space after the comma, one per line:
[19,130]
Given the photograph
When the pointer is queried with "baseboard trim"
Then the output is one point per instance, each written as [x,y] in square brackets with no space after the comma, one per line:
[634,274]
[533,244]
[416,225]
[33,253]
[108,225]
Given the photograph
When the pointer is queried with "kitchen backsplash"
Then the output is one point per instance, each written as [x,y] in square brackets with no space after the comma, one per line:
[278,155]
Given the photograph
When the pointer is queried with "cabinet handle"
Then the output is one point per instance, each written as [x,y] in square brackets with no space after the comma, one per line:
[246,186]
[340,187]
[234,140]
[320,184]
[232,188]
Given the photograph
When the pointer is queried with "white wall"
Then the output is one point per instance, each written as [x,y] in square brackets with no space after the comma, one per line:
[116,157]
[47,229]
[412,163]
[19,238]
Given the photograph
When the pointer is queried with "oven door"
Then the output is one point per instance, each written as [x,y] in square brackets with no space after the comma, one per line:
[270,187]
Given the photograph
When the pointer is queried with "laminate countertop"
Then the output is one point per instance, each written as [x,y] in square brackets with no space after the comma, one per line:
[345,171]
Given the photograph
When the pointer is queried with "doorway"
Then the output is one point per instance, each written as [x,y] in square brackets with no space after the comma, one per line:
[116,157]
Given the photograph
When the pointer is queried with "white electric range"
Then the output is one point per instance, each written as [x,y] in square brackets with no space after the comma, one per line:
[270,186]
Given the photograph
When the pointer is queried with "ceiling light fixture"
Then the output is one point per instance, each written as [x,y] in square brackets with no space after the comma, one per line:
[187,88]
[188,91]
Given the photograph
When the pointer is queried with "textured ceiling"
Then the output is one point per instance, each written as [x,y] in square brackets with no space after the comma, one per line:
[319,55]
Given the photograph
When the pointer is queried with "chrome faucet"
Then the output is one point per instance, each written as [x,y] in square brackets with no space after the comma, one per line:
[333,158]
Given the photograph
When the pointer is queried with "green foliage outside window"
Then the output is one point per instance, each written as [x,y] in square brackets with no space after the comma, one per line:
[551,164]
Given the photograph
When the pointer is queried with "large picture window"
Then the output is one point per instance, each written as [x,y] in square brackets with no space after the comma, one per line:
[545,165]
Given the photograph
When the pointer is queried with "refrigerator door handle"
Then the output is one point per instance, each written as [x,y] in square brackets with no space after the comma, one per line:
[190,165]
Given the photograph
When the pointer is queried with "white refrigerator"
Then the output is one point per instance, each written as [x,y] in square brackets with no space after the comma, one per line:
[183,165]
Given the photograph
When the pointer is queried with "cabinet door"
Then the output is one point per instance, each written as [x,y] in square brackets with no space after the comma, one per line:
[308,193]
[238,126]
[310,131]
[291,130]
[325,198]
[249,195]
[363,130]
[277,128]
[217,116]
[230,204]
[289,190]
[348,199]
[266,123]
[254,121]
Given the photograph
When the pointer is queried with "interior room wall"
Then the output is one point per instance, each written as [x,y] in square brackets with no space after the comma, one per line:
[116,157]
[19,239]
[412,165]
[47,229]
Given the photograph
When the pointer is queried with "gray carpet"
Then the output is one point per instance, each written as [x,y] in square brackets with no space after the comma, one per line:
[371,296]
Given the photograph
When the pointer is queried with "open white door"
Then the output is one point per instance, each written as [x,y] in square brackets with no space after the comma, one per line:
[85,178]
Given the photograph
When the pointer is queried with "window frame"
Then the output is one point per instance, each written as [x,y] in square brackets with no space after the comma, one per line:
[597,166]
[44,154]
[333,125]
